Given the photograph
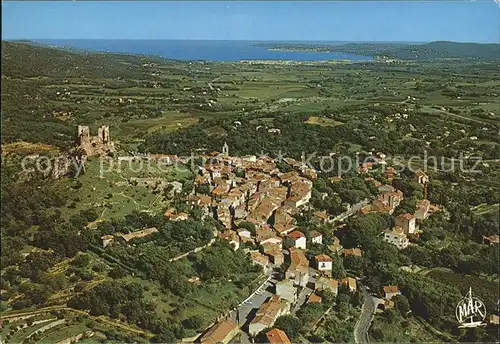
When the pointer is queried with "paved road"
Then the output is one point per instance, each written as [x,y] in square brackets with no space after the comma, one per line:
[364,321]
[446,112]
[354,209]
[301,299]
[251,303]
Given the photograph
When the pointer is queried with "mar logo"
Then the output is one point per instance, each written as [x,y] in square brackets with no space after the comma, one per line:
[470,311]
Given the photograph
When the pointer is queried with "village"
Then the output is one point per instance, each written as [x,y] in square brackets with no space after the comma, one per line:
[255,205]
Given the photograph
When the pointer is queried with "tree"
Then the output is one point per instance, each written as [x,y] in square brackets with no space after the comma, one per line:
[55,281]
[248,226]
[354,264]
[194,322]
[118,272]
[290,324]
[3,306]
[81,260]
[338,271]
[166,336]
[402,305]
[203,189]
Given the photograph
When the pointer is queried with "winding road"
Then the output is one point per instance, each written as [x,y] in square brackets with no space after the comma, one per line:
[365,319]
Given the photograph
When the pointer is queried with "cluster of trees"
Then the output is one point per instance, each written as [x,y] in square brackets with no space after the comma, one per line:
[122,300]
[40,284]
[27,203]
[339,324]
[23,105]
[461,255]
[179,236]
[150,255]
[218,262]
[33,279]
[244,138]
[333,196]
[486,290]
[387,326]
[31,215]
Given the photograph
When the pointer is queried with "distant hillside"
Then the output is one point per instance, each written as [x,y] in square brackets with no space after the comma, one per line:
[428,51]
[435,50]
[27,59]
[31,76]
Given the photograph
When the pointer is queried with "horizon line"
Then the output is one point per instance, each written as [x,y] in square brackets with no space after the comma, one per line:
[243,40]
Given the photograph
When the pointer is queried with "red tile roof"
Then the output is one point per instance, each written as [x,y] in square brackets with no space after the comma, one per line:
[391,289]
[276,336]
[314,298]
[219,332]
[406,216]
[295,235]
[323,258]
[353,252]
[315,234]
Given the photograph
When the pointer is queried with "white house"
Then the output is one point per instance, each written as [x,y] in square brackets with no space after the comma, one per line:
[390,291]
[423,207]
[286,290]
[244,233]
[296,239]
[316,237]
[422,177]
[323,263]
[396,237]
[406,222]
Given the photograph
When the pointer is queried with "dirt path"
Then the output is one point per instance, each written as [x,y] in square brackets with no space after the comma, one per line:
[195,250]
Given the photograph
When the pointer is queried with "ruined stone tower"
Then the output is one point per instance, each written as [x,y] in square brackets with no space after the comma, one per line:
[94,145]
[225,149]
[83,134]
[103,134]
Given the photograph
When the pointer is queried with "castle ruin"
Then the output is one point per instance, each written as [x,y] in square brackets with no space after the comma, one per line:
[94,145]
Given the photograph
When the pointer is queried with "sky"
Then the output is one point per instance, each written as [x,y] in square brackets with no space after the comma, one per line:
[408,21]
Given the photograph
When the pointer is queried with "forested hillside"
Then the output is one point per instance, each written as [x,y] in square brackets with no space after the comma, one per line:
[428,51]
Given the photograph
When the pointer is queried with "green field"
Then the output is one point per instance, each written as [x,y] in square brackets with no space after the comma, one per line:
[106,185]
[322,121]
[168,122]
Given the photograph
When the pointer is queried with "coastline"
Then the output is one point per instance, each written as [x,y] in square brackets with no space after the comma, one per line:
[232,52]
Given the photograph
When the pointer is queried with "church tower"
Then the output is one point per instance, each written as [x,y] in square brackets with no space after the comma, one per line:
[225,149]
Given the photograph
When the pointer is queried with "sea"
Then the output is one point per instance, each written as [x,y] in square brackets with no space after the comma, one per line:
[207,50]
